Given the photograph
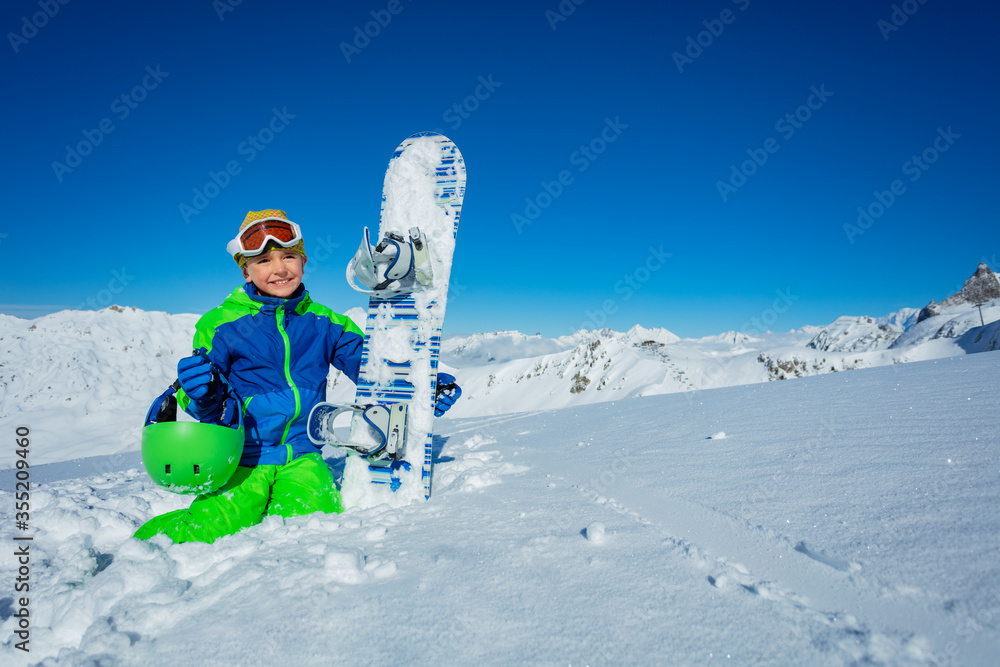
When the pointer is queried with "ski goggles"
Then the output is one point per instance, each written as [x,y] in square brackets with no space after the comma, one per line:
[253,239]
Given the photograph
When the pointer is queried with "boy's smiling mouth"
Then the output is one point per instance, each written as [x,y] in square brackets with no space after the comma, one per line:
[276,273]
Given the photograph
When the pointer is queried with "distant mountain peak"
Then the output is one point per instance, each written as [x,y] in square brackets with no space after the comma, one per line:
[981,287]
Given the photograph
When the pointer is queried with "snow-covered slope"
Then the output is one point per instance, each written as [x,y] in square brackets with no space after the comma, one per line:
[836,520]
[900,320]
[87,361]
[510,372]
[498,348]
[981,339]
[950,324]
[854,334]
[606,365]
[981,287]
[71,368]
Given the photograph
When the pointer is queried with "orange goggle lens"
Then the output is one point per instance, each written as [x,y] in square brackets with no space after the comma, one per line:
[254,238]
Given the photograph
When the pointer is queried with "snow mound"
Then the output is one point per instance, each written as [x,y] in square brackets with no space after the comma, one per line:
[596,533]
[71,370]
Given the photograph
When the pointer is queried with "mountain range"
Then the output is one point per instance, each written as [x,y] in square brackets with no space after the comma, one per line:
[511,372]
[87,364]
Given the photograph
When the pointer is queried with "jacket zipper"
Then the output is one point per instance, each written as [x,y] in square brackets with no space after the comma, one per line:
[288,376]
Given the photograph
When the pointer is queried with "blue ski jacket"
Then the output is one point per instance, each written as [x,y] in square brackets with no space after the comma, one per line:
[276,354]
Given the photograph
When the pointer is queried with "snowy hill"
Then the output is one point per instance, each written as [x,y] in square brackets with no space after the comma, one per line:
[981,287]
[75,367]
[836,520]
[510,372]
[854,334]
[949,324]
[498,347]
[71,370]
[843,519]
[901,320]
[597,366]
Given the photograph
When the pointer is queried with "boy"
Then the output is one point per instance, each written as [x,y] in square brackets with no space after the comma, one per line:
[274,345]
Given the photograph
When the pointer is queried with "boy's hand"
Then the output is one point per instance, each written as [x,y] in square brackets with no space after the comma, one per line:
[196,376]
[447,393]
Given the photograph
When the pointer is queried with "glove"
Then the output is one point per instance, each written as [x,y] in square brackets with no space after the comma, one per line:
[447,393]
[196,376]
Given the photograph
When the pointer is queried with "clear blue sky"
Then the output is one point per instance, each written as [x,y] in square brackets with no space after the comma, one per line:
[521,88]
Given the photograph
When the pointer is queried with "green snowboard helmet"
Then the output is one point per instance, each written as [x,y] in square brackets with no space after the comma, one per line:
[191,457]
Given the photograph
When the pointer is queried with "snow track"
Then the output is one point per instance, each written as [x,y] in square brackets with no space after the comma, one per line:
[707,510]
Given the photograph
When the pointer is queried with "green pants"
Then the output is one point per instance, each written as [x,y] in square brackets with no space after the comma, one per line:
[302,486]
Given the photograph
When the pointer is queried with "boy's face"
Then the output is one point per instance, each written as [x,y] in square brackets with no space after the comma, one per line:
[276,272]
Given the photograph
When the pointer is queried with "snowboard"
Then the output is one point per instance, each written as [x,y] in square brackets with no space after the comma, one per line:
[392,419]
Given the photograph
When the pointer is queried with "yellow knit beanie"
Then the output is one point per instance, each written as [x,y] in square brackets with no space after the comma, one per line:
[254,216]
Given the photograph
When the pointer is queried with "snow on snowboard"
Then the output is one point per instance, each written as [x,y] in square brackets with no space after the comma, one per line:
[405,273]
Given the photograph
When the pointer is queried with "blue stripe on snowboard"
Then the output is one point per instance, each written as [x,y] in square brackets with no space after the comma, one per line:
[450,184]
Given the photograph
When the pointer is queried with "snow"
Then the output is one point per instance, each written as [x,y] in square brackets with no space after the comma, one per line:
[596,533]
[84,373]
[510,372]
[87,372]
[951,323]
[900,320]
[498,348]
[845,518]
[581,513]
[854,334]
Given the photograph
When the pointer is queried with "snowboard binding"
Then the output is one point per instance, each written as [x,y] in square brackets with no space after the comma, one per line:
[397,265]
[377,431]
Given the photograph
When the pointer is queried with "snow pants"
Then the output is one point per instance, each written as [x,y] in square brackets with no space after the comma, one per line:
[302,486]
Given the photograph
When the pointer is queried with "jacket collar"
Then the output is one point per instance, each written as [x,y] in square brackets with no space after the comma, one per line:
[269,304]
